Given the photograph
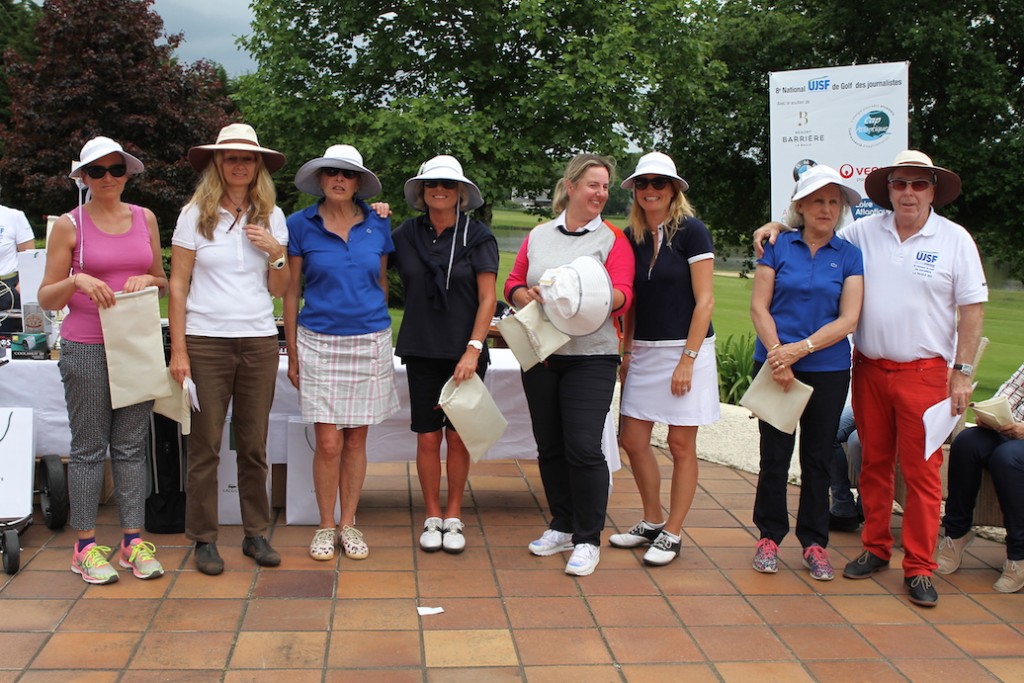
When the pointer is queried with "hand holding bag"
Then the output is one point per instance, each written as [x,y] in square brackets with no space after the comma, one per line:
[530,335]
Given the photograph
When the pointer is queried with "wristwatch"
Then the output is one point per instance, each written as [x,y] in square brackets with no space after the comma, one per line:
[476,344]
[691,354]
[810,346]
[965,369]
[278,264]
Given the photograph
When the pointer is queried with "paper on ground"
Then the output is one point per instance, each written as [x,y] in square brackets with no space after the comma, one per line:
[425,611]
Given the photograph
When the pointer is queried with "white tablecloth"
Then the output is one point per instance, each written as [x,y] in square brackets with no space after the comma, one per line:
[37,385]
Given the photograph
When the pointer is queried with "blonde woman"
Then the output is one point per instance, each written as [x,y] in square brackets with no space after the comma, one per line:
[668,371]
[227,262]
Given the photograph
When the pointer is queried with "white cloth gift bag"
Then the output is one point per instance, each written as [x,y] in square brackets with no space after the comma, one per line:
[134,347]
[474,414]
[768,402]
[300,495]
[531,336]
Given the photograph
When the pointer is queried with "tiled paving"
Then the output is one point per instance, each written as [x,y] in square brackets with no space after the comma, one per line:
[508,616]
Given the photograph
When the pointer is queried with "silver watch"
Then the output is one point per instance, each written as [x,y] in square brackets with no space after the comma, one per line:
[965,369]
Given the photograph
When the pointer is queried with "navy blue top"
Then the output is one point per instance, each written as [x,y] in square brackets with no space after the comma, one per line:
[663,294]
[342,289]
[806,295]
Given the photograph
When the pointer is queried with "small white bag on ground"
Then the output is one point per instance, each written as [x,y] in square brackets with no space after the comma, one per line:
[474,414]
[531,336]
[133,343]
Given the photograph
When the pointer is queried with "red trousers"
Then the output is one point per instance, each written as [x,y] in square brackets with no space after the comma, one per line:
[889,401]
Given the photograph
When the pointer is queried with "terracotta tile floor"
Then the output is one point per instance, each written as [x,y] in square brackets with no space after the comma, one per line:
[508,616]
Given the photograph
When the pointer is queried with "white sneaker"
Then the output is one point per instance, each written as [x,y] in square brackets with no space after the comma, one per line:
[584,560]
[551,542]
[454,542]
[430,539]
[643,533]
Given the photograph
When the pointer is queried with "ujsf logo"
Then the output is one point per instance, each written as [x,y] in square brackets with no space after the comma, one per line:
[818,84]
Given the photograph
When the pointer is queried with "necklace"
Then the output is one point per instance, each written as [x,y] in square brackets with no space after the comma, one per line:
[239,208]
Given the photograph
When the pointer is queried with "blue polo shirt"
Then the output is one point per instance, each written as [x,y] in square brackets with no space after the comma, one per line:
[342,290]
[806,295]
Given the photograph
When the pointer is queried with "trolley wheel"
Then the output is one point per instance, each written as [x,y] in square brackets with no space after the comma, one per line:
[12,551]
[53,494]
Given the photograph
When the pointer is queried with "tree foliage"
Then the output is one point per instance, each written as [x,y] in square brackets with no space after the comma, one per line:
[17,21]
[100,71]
[511,89]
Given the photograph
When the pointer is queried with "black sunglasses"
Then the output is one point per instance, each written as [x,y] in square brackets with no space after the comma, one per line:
[345,172]
[446,184]
[97,172]
[656,183]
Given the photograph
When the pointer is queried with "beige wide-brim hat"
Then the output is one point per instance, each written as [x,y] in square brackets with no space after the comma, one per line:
[656,163]
[577,296]
[307,178]
[239,137]
[441,167]
[99,147]
[947,183]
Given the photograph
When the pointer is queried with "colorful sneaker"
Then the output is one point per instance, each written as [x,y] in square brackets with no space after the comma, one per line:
[583,560]
[766,557]
[643,533]
[91,563]
[322,546]
[430,539]
[1012,579]
[662,551]
[454,542]
[353,544]
[816,559]
[951,552]
[551,542]
[140,557]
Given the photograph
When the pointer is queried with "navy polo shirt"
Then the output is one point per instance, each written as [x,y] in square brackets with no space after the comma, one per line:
[806,295]
[663,293]
[342,293]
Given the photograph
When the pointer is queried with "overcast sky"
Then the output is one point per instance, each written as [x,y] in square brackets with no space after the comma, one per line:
[210,28]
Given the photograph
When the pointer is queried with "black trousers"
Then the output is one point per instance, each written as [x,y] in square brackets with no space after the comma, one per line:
[818,427]
[569,398]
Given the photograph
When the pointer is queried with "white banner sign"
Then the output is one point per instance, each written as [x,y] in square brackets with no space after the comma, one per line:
[852,118]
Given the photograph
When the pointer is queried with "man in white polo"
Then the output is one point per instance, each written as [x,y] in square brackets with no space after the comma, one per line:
[15,235]
[924,291]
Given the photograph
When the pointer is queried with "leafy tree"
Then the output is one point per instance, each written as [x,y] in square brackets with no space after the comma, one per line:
[511,89]
[99,71]
[17,20]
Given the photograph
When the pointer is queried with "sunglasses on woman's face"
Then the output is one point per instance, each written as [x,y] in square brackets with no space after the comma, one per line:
[446,184]
[345,172]
[97,172]
[656,183]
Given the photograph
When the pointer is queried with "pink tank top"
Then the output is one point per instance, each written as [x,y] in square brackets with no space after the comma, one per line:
[111,258]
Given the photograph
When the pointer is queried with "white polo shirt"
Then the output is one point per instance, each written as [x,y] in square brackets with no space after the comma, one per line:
[14,229]
[228,296]
[912,289]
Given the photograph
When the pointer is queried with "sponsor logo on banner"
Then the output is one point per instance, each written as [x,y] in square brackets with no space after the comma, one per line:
[871,126]
[818,84]
[802,166]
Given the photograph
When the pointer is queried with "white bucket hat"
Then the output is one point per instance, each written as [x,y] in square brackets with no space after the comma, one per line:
[577,296]
[817,177]
[239,137]
[441,167]
[947,183]
[99,147]
[656,163]
[337,156]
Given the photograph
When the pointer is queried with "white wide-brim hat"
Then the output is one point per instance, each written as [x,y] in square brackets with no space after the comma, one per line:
[441,167]
[577,296]
[99,147]
[817,177]
[307,178]
[947,183]
[656,163]
[239,137]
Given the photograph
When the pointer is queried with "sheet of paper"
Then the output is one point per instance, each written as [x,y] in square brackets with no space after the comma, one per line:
[189,387]
[938,425]
[426,611]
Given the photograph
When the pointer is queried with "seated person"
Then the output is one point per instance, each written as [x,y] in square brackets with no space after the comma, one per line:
[845,514]
[1001,450]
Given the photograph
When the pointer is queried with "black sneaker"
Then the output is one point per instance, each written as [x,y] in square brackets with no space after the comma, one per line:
[837,523]
[258,548]
[922,591]
[208,560]
[864,566]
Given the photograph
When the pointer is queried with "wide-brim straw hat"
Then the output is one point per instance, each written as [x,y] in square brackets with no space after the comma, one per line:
[348,157]
[239,137]
[441,167]
[99,147]
[947,183]
[656,163]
